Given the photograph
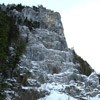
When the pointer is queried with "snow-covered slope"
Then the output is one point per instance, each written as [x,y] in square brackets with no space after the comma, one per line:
[46,70]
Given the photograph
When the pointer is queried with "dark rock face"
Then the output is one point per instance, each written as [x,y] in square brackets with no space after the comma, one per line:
[46,60]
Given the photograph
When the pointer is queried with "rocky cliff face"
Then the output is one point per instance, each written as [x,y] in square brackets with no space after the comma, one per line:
[47,68]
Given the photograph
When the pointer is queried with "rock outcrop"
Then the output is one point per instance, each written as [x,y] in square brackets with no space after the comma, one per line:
[47,65]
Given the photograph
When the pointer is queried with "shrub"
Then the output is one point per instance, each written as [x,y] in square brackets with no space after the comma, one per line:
[18,7]
[84,68]
[9,36]
[4,29]
[55,70]
[35,24]
[35,8]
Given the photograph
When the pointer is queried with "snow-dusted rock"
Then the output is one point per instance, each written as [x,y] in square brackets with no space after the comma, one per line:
[93,80]
[48,58]
[47,62]
[30,14]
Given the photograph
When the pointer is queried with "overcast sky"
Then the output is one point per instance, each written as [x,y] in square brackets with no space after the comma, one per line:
[81,21]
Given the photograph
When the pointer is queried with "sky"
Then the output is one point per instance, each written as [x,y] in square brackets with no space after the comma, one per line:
[81,22]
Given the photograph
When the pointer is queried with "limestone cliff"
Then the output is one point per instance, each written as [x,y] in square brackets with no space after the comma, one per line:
[46,65]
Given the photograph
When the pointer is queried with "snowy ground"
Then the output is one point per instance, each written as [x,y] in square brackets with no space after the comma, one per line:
[56,92]
[55,95]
